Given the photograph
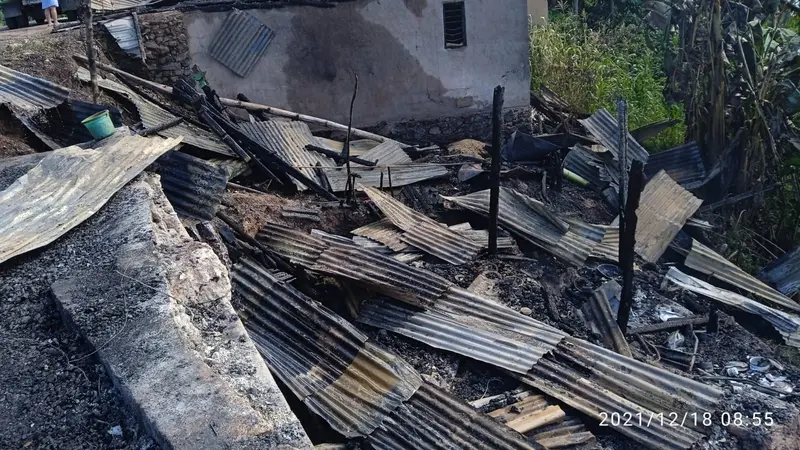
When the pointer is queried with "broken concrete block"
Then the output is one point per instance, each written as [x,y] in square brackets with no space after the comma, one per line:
[162,324]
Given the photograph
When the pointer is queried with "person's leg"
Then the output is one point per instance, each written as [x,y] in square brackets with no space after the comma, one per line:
[54,14]
[47,15]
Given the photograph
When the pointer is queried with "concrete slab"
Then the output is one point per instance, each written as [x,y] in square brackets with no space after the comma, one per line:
[161,322]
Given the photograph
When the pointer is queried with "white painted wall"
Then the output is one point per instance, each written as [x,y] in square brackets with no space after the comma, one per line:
[395,46]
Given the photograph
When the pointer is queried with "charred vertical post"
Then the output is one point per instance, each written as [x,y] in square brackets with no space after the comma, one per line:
[346,147]
[494,193]
[391,189]
[622,121]
[628,242]
[89,37]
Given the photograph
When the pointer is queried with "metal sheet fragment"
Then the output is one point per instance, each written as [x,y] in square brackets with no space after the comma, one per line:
[709,262]
[602,320]
[605,128]
[240,42]
[663,209]
[323,359]
[194,186]
[288,140]
[424,233]
[788,325]
[29,93]
[684,164]
[784,273]
[67,187]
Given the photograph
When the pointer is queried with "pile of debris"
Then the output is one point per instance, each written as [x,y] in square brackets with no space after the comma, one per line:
[543,315]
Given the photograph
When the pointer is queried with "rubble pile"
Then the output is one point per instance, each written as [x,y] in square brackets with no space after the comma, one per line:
[363,271]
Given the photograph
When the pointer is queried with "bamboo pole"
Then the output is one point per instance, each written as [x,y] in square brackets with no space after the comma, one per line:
[166,90]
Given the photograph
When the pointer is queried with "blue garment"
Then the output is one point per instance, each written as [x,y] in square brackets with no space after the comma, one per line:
[48,3]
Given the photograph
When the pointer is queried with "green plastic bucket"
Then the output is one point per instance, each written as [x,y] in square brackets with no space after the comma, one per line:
[99,125]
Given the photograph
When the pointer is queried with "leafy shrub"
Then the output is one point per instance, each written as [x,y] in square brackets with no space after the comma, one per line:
[592,67]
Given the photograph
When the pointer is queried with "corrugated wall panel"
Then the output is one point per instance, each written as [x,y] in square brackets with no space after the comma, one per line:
[604,127]
[240,42]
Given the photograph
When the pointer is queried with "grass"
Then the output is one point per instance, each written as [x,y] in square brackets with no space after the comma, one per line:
[592,67]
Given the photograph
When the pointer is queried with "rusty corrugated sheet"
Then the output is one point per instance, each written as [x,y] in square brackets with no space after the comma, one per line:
[194,187]
[597,381]
[784,273]
[153,115]
[516,353]
[663,209]
[384,232]
[298,247]
[788,325]
[425,233]
[382,274]
[709,262]
[434,420]
[604,127]
[288,140]
[325,361]
[240,42]
[684,164]
[27,92]
[67,187]
[602,320]
[518,213]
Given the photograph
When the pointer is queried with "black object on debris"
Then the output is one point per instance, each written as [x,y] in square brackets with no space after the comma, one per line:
[521,147]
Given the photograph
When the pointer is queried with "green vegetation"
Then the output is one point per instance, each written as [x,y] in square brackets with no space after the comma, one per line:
[590,67]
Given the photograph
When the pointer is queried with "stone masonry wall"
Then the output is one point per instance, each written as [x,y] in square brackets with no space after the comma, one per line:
[445,130]
[166,48]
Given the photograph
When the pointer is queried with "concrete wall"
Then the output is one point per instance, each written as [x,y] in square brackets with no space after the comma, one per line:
[395,46]
[537,9]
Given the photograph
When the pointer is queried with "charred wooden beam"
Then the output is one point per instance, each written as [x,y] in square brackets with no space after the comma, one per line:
[670,325]
[161,127]
[628,242]
[494,176]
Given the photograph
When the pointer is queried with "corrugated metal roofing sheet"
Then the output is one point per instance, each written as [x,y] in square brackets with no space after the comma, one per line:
[663,209]
[382,274]
[124,32]
[684,164]
[709,262]
[401,175]
[67,187]
[117,5]
[519,214]
[288,140]
[586,164]
[153,115]
[788,325]
[595,381]
[384,232]
[387,153]
[609,247]
[435,420]
[784,273]
[27,92]
[425,233]
[602,320]
[240,42]
[322,358]
[481,237]
[515,353]
[194,187]
[606,129]
[298,247]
